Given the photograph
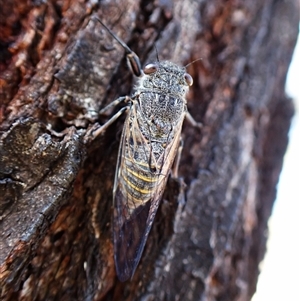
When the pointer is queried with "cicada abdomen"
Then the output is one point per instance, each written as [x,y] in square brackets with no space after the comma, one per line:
[149,144]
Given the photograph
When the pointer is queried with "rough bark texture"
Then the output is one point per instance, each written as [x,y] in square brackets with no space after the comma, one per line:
[58,68]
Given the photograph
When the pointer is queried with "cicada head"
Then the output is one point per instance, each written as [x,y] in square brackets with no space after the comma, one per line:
[166,77]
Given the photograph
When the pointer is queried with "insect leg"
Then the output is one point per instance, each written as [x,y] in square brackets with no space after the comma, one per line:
[97,129]
[132,59]
[192,121]
[177,160]
[113,104]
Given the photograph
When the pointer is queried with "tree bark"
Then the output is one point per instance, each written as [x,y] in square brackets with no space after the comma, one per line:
[58,68]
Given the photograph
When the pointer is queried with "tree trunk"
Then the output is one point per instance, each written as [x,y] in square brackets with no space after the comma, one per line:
[59,67]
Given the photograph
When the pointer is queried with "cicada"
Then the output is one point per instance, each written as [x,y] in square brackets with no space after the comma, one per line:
[149,144]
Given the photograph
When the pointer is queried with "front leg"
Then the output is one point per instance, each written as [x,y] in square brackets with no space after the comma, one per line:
[174,172]
[98,129]
[192,121]
[116,102]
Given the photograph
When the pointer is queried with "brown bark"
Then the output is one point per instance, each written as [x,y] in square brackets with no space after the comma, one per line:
[58,69]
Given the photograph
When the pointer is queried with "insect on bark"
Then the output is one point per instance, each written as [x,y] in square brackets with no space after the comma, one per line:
[148,147]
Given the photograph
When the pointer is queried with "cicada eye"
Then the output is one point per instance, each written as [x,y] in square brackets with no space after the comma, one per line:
[188,79]
[150,68]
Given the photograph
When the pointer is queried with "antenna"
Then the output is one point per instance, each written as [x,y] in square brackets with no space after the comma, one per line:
[193,62]
[156,52]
